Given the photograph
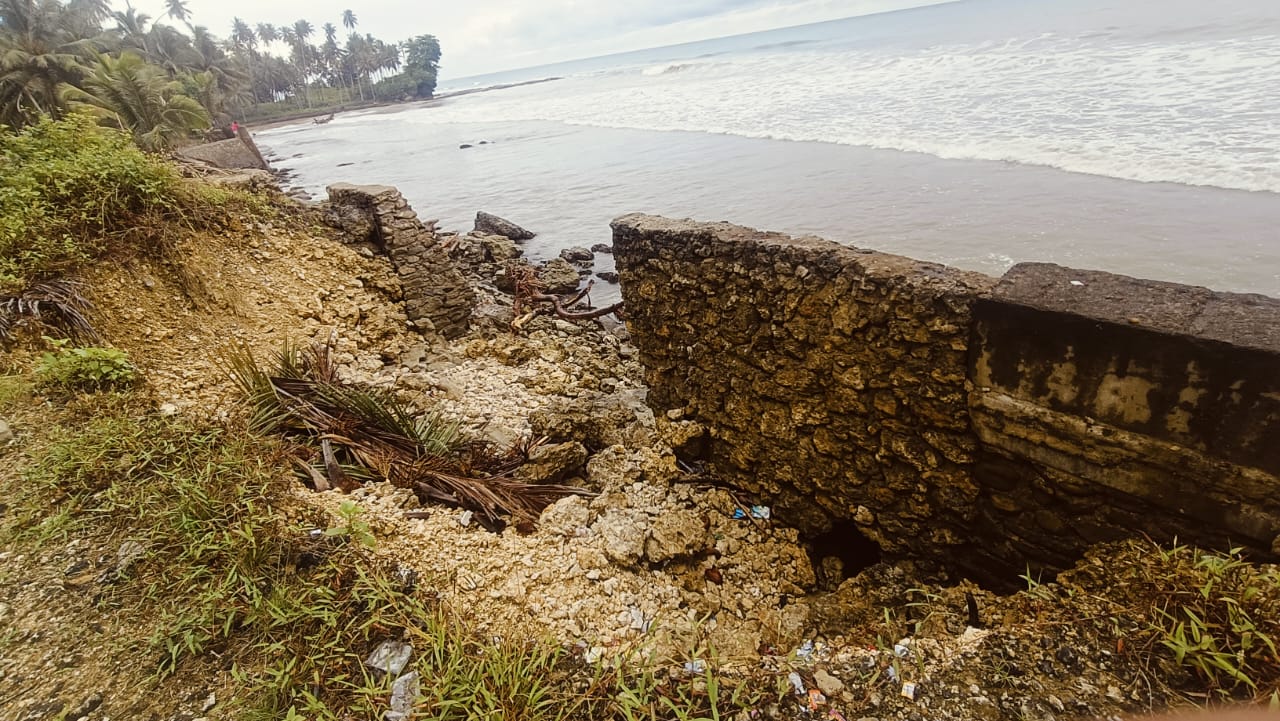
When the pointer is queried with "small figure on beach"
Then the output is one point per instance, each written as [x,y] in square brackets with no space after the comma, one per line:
[235,128]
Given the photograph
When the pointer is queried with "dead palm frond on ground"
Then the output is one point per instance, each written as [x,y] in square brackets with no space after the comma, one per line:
[55,307]
[350,434]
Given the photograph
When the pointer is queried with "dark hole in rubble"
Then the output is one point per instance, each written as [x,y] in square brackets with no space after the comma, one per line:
[841,553]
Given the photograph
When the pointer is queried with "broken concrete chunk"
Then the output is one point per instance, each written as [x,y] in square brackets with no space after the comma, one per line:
[559,277]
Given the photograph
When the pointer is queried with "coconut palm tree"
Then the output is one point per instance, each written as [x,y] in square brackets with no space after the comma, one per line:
[242,35]
[170,49]
[302,30]
[216,80]
[177,9]
[132,27]
[40,54]
[244,39]
[302,54]
[130,94]
[84,18]
[387,58]
[267,34]
[332,57]
[348,20]
[358,53]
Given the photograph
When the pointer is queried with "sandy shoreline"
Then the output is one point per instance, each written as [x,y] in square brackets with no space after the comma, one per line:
[384,106]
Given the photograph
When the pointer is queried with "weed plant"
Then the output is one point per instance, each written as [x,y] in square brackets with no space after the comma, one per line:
[83,369]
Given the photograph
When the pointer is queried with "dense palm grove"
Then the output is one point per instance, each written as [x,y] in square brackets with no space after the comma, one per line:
[167,81]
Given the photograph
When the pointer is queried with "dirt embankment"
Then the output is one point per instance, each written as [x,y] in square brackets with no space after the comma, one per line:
[652,554]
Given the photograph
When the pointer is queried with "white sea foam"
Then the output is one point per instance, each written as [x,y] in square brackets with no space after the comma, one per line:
[1189,110]
[666,68]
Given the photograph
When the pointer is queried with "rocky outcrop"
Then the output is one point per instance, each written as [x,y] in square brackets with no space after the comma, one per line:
[493,225]
[951,417]
[437,298]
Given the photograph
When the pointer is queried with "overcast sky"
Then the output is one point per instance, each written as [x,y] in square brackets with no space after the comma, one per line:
[481,36]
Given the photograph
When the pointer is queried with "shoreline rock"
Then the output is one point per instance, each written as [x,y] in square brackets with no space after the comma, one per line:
[493,225]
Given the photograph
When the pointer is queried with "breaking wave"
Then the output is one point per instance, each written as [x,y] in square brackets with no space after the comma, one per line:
[1190,111]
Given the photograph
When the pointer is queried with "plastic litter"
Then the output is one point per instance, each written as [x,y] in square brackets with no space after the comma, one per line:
[805,652]
[797,683]
[901,649]
[1077,283]
[909,690]
[816,699]
[695,666]
[465,518]
[762,513]
[404,695]
[390,657]
[892,674]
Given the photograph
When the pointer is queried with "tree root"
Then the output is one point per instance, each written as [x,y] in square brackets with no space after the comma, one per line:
[530,292]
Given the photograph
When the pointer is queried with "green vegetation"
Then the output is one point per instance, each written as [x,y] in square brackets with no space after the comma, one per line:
[166,86]
[1216,615]
[132,95]
[84,369]
[293,602]
[71,191]
[1221,619]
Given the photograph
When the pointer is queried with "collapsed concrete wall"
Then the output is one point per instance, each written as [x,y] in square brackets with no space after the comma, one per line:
[437,297]
[947,415]
[238,153]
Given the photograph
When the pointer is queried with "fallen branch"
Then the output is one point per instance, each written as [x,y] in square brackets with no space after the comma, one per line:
[530,290]
[561,312]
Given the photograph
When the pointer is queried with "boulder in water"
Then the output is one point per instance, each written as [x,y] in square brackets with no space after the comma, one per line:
[578,256]
[493,225]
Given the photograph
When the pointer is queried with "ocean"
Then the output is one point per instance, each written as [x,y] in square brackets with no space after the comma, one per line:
[1134,136]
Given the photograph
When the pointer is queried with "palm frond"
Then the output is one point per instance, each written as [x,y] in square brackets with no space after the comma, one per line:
[57,307]
[357,433]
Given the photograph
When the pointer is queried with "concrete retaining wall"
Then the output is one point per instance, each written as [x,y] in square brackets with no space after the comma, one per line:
[987,424]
